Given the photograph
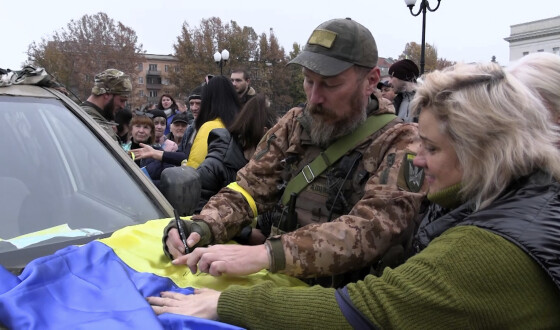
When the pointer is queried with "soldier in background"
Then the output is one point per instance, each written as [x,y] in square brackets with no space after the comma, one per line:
[349,215]
[109,94]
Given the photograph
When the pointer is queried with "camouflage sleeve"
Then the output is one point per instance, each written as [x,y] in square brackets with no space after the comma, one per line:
[228,212]
[374,224]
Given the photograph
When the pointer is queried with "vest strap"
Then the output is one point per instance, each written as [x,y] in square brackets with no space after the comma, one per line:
[333,153]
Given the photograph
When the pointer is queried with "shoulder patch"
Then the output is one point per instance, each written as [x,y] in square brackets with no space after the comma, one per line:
[412,177]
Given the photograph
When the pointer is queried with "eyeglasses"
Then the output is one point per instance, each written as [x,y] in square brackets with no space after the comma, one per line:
[142,113]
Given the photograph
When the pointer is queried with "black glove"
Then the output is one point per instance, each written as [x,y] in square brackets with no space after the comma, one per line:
[189,227]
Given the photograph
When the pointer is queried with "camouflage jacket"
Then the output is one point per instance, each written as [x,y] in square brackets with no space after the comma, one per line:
[386,206]
[95,112]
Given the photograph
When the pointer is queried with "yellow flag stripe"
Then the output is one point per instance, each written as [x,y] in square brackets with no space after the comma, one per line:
[140,247]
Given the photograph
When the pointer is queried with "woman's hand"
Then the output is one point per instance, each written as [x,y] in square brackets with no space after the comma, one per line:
[147,152]
[202,303]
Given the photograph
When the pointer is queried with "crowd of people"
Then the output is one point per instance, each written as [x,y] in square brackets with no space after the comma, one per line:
[403,204]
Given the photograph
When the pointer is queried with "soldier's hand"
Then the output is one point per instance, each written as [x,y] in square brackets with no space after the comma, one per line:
[197,234]
[227,259]
[174,244]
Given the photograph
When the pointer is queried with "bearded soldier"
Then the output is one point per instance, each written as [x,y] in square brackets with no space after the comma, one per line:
[109,94]
[332,184]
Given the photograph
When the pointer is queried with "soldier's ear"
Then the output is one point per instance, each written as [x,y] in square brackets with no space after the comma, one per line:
[106,97]
[372,79]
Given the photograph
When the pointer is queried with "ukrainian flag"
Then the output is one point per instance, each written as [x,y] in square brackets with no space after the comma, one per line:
[104,285]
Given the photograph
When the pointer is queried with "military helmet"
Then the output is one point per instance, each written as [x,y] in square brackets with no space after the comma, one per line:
[112,81]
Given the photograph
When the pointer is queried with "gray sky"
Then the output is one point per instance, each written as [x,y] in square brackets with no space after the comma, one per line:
[461,30]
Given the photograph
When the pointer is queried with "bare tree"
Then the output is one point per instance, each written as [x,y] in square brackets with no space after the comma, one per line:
[196,46]
[413,51]
[87,46]
[296,77]
[261,55]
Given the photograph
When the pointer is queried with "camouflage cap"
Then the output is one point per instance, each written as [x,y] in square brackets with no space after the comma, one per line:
[112,81]
[336,45]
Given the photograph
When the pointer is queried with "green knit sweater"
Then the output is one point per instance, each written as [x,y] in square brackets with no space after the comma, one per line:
[468,278]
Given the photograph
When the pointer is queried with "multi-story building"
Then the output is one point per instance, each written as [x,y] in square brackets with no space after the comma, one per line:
[153,79]
[537,36]
[384,64]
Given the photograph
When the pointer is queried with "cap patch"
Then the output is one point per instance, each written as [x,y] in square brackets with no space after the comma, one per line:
[323,38]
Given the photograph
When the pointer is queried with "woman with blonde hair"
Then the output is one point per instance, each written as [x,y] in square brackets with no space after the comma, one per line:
[487,258]
[541,73]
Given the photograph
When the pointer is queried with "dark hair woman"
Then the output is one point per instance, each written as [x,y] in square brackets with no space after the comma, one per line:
[219,108]
[169,106]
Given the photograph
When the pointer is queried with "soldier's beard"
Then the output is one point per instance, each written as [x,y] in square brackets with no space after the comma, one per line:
[108,110]
[323,133]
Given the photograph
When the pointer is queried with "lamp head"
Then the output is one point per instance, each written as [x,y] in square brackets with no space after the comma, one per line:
[410,3]
[225,55]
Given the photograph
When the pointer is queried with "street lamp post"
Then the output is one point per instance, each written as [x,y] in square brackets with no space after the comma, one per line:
[221,59]
[424,5]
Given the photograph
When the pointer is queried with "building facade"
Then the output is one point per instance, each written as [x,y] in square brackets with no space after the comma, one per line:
[384,64]
[154,79]
[531,37]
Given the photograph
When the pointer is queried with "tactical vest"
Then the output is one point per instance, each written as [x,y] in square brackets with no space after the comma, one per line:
[336,190]
[328,196]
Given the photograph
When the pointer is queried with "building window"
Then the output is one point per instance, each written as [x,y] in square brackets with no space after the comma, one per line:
[140,80]
[525,53]
[141,93]
[153,93]
[556,50]
[176,68]
[165,81]
[152,67]
[166,68]
[153,80]
[140,66]
[540,51]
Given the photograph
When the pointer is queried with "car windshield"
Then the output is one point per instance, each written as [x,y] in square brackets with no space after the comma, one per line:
[57,179]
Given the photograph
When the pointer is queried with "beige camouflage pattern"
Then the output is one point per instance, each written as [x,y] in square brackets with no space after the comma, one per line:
[112,81]
[104,123]
[384,209]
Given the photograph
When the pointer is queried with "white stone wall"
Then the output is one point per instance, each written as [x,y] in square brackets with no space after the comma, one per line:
[531,37]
